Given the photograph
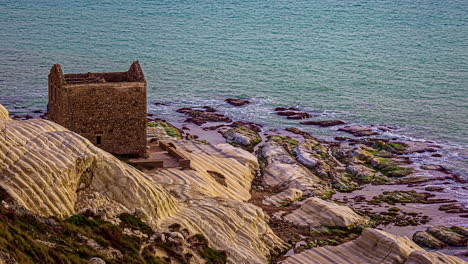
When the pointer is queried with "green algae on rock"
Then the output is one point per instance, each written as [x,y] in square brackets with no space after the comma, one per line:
[243,137]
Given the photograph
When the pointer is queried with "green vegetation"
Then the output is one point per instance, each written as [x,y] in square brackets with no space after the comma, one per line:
[213,256]
[287,142]
[253,138]
[130,221]
[328,194]
[169,129]
[401,197]
[31,239]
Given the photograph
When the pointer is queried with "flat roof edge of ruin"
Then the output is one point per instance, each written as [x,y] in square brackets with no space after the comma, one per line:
[105,84]
[79,73]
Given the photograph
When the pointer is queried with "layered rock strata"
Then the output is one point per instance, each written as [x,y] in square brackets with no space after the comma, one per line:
[373,247]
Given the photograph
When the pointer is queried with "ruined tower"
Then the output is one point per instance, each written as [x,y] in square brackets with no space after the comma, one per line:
[107,108]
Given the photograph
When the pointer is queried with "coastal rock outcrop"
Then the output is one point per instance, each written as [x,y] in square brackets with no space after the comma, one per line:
[217,171]
[238,228]
[284,198]
[315,212]
[3,113]
[242,136]
[427,257]
[283,170]
[319,159]
[51,171]
[373,247]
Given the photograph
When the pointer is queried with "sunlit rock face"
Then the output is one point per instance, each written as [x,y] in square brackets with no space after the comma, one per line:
[315,212]
[373,246]
[51,171]
[3,113]
[216,171]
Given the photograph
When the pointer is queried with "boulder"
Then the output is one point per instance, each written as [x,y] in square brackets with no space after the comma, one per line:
[242,136]
[361,172]
[316,212]
[460,230]
[427,240]
[448,236]
[6,258]
[97,261]
[283,170]
[284,198]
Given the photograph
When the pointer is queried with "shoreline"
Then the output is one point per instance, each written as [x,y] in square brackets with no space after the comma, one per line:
[435,177]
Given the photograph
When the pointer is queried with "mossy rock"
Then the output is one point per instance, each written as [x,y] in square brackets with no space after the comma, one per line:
[169,129]
[287,142]
[242,137]
[401,197]
[390,168]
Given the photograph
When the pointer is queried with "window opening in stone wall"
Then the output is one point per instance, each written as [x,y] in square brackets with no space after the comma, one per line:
[98,140]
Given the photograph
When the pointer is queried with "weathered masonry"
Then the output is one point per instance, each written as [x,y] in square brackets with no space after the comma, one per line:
[107,108]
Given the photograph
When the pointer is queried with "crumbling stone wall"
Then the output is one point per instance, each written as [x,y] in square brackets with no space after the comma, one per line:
[109,109]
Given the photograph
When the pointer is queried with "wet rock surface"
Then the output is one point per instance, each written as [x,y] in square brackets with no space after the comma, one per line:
[359,131]
[237,102]
[292,113]
[201,117]
[243,137]
[326,123]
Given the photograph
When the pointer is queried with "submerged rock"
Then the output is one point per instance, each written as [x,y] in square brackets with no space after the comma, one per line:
[237,102]
[294,114]
[359,131]
[326,123]
[199,117]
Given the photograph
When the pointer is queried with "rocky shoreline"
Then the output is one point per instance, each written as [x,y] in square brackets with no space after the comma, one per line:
[373,175]
[318,195]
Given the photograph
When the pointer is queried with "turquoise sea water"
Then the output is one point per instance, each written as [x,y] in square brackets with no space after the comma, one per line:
[402,63]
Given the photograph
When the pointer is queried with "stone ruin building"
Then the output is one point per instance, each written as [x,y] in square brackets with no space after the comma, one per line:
[109,109]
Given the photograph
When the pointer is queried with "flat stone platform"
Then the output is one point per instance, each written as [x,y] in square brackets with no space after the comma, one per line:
[162,155]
